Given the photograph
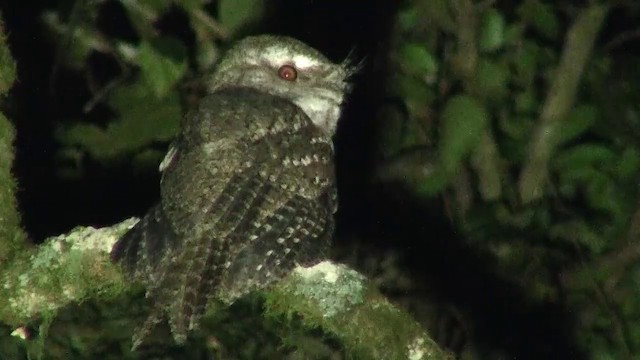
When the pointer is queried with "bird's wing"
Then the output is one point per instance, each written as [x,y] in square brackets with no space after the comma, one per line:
[246,193]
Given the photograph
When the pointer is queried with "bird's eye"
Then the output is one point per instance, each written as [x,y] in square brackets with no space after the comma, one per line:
[287,72]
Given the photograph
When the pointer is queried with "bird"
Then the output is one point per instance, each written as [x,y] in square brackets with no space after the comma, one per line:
[247,189]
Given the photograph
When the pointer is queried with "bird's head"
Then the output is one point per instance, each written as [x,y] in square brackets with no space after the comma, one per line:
[290,69]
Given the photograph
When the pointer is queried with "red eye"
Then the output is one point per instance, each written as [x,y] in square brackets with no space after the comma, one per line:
[287,72]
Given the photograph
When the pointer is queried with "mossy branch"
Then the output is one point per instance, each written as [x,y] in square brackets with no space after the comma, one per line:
[12,238]
[75,267]
[64,269]
[560,99]
[344,303]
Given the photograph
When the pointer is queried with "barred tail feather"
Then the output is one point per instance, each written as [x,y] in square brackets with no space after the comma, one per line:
[141,249]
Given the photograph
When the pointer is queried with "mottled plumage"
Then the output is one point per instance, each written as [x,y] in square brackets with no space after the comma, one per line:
[247,189]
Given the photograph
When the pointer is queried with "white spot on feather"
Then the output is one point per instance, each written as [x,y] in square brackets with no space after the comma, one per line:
[168,158]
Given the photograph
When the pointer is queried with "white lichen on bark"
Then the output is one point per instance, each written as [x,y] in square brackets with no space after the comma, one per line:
[345,304]
[335,287]
[64,269]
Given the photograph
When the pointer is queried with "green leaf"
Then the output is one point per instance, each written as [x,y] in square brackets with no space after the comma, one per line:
[578,231]
[492,31]
[583,156]
[525,62]
[418,60]
[143,117]
[628,164]
[463,120]
[163,63]
[144,13]
[235,15]
[142,120]
[190,5]
[603,194]
[577,123]
[78,40]
[513,34]
[408,18]
[433,184]
[416,94]
[517,127]
[526,102]
[491,79]
[518,219]
[541,16]
[88,136]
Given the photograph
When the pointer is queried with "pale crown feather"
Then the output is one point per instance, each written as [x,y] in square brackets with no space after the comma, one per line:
[319,88]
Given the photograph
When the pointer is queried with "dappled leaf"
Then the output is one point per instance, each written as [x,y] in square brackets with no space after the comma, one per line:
[418,60]
[408,18]
[163,63]
[143,15]
[463,120]
[525,62]
[438,12]
[417,95]
[145,118]
[519,219]
[526,102]
[491,79]
[541,16]
[142,119]
[579,232]
[577,123]
[190,5]
[602,194]
[628,164]
[433,184]
[78,41]
[89,137]
[583,156]
[236,14]
[492,31]
[516,127]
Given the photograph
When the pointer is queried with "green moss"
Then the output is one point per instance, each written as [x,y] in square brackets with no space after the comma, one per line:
[11,234]
[339,301]
[65,269]
[7,65]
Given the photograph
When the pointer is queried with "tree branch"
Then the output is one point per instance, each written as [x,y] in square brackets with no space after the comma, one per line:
[75,267]
[64,269]
[560,99]
[12,238]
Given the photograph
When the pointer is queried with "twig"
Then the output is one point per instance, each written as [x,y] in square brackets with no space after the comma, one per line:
[622,38]
[212,24]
